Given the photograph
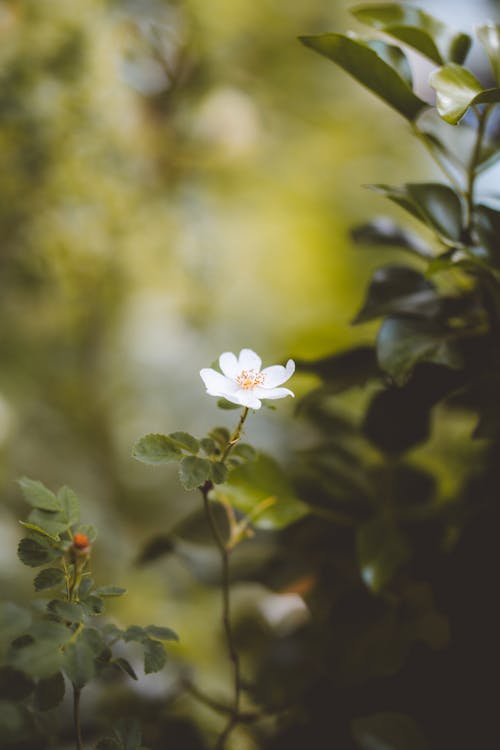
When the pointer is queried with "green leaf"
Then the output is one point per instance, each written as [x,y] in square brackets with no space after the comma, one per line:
[244,451]
[402,343]
[70,505]
[37,495]
[185,441]
[13,620]
[393,56]
[381,550]
[208,446]
[36,552]
[70,611]
[48,578]
[125,666]
[163,634]
[85,587]
[388,731]
[417,29]
[220,435]
[384,232]
[93,605]
[110,591]
[156,449]
[252,483]
[14,684]
[487,227]
[81,657]
[128,730]
[218,472]
[194,472]
[489,36]
[40,653]
[457,90]
[49,692]
[367,67]
[398,290]
[135,633]
[154,655]
[44,523]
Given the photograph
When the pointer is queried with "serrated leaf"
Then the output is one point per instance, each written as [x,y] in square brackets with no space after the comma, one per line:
[110,591]
[220,435]
[402,343]
[369,69]
[70,611]
[253,483]
[185,441]
[218,472]
[37,495]
[417,29]
[388,731]
[457,89]
[14,684]
[381,550]
[13,620]
[489,36]
[154,655]
[194,472]
[164,634]
[48,578]
[40,655]
[156,449]
[208,446]
[49,692]
[134,633]
[36,552]
[94,605]
[125,666]
[70,505]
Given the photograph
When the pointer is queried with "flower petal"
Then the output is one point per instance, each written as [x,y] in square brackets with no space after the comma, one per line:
[272,393]
[217,384]
[248,398]
[248,360]
[228,363]
[277,374]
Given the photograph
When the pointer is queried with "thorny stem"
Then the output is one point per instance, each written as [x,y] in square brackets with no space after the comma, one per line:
[234,716]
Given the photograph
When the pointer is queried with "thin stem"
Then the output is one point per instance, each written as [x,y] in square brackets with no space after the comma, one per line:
[76,717]
[236,434]
[482,117]
[442,166]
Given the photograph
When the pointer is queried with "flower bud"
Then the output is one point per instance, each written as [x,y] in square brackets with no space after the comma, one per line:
[81,542]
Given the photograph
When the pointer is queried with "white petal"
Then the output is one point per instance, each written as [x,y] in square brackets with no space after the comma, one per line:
[248,398]
[248,360]
[276,375]
[217,384]
[228,363]
[272,393]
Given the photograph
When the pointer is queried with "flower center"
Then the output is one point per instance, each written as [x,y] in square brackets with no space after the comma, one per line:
[249,379]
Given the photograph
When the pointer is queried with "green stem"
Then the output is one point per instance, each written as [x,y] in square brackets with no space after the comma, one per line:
[482,117]
[76,717]
[236,434]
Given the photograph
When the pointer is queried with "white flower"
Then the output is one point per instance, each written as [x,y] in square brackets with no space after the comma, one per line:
[243,382]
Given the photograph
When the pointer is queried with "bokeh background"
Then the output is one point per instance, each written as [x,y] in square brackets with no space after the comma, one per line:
[177,179]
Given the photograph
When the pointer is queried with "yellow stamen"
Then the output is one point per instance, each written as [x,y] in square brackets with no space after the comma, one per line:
[249,379]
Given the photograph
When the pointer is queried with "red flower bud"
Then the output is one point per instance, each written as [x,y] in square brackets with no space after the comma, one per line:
[81,541]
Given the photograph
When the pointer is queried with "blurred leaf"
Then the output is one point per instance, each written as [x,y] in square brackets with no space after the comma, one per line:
[156,449]
[70,611]
[37,495]
[40,655]
[154,655]
[93,605]
[245,451]
[381,550]
[156,547]
[345,370]
[48,578]
[388,731]
[489,36]
[396,421]
[70,505]
[14,720]
[194,472]
[85,587]
[14,684]
[252,483]
[457,90]
[221,435]
[36,552]
[129,731]
[185,441]
[417,29]
[398,290]
[110,591]
[81,657]
[223,403]
[399,196]
[134,633]
[49,692]
[218,472]
[365,65]
[487,226]
[384,232]
[208,446]
[13,620]
[162,633]
[108,743]
[48,524]
[402,343]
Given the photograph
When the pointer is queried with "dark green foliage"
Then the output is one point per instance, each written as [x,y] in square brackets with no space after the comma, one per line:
[49,692]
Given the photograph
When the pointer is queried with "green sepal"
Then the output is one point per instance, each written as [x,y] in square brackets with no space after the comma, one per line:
[48,578]
[156,449]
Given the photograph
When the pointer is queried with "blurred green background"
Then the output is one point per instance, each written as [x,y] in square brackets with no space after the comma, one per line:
[177,179]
